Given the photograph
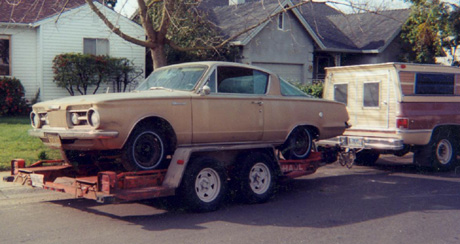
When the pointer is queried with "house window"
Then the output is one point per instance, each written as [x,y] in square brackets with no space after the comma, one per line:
[96,46]
[371,96]
[434,84]
[281,21]
[341,93]
[5,53]
[241,80]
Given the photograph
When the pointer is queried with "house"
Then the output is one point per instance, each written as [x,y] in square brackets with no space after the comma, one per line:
[299,43]
[32,33]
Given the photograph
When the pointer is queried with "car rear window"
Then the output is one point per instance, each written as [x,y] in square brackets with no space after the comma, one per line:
[371,96]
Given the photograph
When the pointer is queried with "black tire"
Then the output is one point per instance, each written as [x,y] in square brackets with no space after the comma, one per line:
[144,150]
[440,154]
[367,157]
[204,185]
[255,178]
[298,145]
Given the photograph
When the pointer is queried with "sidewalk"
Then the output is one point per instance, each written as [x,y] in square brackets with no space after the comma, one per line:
[16,193]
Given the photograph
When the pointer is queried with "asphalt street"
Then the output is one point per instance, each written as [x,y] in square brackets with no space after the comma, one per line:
[392,202]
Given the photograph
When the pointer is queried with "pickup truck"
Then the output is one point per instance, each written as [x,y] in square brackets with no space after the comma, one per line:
[396,108]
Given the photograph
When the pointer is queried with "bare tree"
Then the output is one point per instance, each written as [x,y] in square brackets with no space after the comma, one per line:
[157,16]
[160,18]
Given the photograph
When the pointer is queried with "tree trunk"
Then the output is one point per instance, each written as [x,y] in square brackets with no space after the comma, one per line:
[158,56]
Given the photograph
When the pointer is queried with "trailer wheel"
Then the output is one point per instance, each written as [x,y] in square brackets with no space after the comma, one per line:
[298,145]
[204,185]
[144,150]
[256,178]
[440,153]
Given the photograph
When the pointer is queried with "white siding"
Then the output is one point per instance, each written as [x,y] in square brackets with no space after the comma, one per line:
[66,35]
[23,56]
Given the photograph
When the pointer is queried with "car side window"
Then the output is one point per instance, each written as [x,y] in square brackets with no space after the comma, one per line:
[434,84]
[287,89]
[212,82]
[241,80]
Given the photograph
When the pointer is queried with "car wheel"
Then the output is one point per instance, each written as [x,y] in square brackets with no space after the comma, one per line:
[204,185]
[255,178]
[366,157]
[144,150]
[298,145]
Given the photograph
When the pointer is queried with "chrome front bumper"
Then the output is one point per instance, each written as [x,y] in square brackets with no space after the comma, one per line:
[74,134]
[364,143]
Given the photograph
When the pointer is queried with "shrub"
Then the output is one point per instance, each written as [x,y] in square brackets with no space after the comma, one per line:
[12,101]
[314,89]
[78,72]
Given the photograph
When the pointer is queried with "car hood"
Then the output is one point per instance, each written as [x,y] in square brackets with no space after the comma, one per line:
[111,97]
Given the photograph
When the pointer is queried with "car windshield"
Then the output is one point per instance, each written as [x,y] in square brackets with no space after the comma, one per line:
[176,78]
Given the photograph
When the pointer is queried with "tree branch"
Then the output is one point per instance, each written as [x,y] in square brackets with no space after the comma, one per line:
[115,29]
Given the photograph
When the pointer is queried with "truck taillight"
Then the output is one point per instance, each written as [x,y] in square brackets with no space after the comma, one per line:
[402,123]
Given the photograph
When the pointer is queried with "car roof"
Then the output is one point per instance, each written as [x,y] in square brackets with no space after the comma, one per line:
[219,63]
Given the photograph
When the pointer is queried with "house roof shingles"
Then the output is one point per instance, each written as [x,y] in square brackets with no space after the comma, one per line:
[336,30]
[233,19]
[28,11]
[371,31]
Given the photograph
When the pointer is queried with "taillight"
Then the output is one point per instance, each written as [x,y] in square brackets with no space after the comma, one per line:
[402,123]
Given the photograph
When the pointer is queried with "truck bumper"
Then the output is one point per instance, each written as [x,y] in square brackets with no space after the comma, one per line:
[364,143]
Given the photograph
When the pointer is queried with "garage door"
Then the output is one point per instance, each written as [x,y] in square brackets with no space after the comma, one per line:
[290,72]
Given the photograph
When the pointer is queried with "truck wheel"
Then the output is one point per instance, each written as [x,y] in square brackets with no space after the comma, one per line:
[256,178]
[366,157]
[144,150]
[440,153]
[204,185]
[298,145]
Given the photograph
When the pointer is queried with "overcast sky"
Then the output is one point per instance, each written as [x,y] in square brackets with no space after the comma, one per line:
[126,7]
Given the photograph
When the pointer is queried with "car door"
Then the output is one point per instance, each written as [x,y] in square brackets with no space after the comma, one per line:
[234,110]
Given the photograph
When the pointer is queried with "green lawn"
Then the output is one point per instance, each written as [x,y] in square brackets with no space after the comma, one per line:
[16,143]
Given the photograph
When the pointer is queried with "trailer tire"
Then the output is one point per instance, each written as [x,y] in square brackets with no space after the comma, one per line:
[298,145]
[204,185]
[256,178]
[144,150]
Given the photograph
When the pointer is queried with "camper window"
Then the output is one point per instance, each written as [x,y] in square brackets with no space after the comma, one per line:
[341,93]
[371,94]
[434,84]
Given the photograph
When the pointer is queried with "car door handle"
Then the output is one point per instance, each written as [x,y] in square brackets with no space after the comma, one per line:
[258,102]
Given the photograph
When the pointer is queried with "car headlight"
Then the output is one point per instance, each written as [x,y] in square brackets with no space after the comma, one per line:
[94,118]
[74,119]
[35,120]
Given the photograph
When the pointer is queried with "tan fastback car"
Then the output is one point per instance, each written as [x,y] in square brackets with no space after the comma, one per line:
[187,105]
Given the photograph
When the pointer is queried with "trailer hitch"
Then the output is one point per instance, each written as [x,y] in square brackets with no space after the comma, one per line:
[347,156]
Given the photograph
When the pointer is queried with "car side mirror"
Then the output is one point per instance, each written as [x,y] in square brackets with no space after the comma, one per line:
[206,90]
